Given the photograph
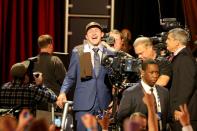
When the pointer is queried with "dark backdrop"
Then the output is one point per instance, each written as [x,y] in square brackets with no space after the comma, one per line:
[22,21]
[142,16]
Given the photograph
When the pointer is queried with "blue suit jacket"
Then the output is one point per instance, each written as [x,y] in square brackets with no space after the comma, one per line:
[86,91]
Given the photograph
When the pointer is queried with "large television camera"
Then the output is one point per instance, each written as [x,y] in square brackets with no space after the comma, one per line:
[159,40]
[159,43]
[123,69]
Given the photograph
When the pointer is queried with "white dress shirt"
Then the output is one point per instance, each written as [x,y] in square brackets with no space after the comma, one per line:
[147,89]
[88,48]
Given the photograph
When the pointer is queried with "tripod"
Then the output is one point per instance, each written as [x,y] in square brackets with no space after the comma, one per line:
[114,124]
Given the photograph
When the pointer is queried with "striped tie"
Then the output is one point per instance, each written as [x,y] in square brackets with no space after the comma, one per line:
[96,61]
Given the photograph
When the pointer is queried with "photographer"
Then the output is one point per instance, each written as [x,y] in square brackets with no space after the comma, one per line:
[144,49]
[118,39]
[20,92]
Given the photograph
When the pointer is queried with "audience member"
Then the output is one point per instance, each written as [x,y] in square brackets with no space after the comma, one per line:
[138,122]
[89,122]
[27,122]
[39,125]
[148,99]
[184,118]
[24,120]
[8,122]
[20,92]
[104,121]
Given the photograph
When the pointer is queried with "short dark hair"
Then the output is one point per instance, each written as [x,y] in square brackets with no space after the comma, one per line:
[93,24]
[44,40]
[145,63]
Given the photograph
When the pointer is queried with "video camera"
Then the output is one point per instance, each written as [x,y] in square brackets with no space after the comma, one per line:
[108,39]
[159,43]
[121,67]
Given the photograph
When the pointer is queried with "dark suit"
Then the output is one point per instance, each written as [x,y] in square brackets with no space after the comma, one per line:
[90,95]
[184,84]
[132,102]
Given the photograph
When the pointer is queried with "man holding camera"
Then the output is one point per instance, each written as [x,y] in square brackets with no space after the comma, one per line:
[21,92]
[92,93]
[118,39]
[144,49]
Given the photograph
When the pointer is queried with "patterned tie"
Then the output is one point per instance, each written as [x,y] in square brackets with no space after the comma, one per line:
[171,57]
[155,102]
[96,61]
[157,109]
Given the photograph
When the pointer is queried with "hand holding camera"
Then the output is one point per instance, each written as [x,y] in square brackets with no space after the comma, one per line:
[38,78]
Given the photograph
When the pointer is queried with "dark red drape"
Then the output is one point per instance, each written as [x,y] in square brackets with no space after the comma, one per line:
[190,11]
[21,22]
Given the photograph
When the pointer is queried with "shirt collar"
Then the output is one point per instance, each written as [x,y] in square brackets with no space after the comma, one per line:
[146,87]
[178,50]
[88,47]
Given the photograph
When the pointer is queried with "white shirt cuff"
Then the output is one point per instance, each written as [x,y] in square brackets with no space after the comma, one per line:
[187,128]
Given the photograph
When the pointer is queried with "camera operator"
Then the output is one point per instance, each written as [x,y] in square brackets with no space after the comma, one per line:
[21,92]
[118,39]
[127,42]
[144,49]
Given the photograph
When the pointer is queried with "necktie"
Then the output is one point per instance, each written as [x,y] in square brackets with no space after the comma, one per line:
[154,99]
[157,107]
[96,61]
[171,57]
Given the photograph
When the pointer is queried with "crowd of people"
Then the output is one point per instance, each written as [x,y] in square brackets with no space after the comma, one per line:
[164,97]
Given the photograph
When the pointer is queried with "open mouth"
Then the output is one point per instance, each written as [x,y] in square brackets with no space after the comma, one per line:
[94,37]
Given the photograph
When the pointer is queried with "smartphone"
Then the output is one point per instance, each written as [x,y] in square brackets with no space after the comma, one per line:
[26,115]
[58,121]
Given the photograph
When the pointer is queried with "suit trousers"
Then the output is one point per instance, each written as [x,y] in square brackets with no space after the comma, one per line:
[94,111]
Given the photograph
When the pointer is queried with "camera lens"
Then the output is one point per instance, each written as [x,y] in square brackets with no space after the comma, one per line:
[36,74]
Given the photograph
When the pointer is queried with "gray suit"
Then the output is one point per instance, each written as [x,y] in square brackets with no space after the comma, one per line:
[132,102]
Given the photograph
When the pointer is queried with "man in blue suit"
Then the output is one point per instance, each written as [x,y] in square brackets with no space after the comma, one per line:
[85,70]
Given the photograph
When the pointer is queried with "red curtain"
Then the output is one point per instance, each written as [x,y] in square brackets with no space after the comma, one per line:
[190,12]
[21,22]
